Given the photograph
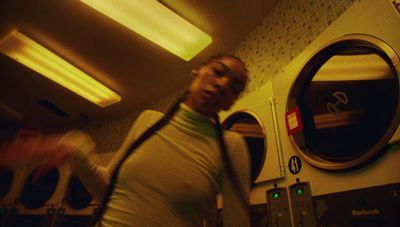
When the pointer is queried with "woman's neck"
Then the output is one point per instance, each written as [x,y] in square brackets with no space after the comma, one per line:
[193,120]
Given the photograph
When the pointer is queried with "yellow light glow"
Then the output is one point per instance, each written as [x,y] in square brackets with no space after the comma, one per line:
[157,23]
[33,55]
[354,67]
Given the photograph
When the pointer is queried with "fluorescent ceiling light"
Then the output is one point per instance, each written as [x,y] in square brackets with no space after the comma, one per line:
[33,55]
[157,23]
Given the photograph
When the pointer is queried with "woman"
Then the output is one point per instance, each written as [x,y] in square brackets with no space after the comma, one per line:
[171,167]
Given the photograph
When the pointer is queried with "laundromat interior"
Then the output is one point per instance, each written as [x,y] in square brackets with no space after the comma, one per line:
[320,114]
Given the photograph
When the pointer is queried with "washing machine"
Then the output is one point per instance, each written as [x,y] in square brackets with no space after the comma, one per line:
[77,205]
[10,179]
[338,107]
[57,198]
[37,197]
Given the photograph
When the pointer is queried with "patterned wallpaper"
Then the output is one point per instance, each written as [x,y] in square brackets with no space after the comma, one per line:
[282,35]
[110,135]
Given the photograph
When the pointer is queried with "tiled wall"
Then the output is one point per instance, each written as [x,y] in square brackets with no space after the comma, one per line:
[282,35]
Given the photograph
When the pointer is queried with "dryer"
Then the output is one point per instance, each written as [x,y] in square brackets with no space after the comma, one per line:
[254,117]
[56,199]
[338,105]
[10,179]
[78,206]
[37,198]
[10,183]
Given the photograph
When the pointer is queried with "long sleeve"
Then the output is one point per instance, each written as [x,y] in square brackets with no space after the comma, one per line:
[85,162]
[234,211]
[145,120]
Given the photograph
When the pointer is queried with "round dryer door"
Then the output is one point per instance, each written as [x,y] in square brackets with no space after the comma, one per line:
[77,195]
[37,191]
[250,129]
[347,102]
[6,178]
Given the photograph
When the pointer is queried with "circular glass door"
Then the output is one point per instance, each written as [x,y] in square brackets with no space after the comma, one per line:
[37,190]
[250,129]
[77,195]
[6,178]
[348,99]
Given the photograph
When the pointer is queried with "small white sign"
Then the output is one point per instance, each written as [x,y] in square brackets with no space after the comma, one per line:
[292,120]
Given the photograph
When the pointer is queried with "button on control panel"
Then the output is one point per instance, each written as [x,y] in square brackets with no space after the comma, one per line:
[302,204]
[278,208]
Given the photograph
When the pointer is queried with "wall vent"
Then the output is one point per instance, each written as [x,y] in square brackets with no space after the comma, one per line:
[53,108]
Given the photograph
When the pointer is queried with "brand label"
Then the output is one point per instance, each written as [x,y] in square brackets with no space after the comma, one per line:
[364,212]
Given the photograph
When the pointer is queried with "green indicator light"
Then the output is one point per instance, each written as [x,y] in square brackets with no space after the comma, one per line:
[299,191]
[275,195]
[50,211]
[61,211]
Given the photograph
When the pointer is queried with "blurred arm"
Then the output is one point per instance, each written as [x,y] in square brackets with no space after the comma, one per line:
[234,212]
[84,160]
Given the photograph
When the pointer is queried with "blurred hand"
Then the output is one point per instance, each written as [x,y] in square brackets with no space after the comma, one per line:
[61,147]
[32,147]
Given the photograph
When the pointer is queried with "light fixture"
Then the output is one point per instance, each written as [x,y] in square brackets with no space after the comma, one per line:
[33,55]
[157,23]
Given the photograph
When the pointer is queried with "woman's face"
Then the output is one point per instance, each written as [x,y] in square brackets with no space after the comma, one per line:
[217,85]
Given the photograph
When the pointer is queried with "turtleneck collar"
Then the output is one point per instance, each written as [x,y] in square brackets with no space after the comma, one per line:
[188,118]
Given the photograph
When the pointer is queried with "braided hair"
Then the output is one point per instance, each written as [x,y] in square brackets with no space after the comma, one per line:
[147,134]
[232,177]
[159,125]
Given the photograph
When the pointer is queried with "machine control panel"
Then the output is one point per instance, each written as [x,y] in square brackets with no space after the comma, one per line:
[302,204]
[278,208]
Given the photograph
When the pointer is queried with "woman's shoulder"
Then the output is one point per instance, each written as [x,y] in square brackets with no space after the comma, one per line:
[150,115]
[143,121]
[147,118]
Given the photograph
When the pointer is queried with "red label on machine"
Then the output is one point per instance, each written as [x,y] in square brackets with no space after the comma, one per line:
[293,121]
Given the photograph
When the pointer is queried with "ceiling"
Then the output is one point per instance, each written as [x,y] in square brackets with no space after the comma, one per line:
[139,71]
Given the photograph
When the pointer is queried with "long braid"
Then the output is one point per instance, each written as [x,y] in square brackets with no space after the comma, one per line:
[229,167]
[147,134]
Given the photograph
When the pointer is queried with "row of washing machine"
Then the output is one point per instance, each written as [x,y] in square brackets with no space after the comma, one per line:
[57,198]
[331,120]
